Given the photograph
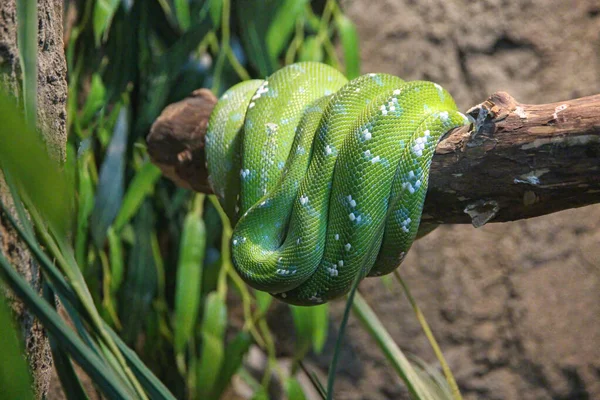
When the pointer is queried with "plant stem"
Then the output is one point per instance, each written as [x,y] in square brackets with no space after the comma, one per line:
[434,345]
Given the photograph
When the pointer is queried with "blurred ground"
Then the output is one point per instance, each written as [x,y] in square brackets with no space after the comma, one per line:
[515,306]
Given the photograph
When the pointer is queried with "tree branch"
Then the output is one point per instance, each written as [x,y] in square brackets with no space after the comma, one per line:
[515,161]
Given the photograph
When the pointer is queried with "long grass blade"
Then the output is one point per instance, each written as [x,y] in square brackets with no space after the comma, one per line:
[189,276]
[15,381]
[62,363]
[391,350]
[111,181]
[105,379]
[140,187]
[434,345]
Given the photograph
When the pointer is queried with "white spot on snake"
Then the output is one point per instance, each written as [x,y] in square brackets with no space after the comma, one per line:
[341,263]
[235,242]
[244,173]
[444,116]
[271,128]
[406,224]
[252,104]
[314,297]
[352,216]
[298,240]
[261,90]
[337,236]
[328,150]
[366,135]
[397,92]
[368,153]
[348,246]
[408,187]
[418,184]
[357,90]
[375,159]
[383,110]
[327,92]
[418,148]
[358,218]
[304,199]
[411,174]
[301,89]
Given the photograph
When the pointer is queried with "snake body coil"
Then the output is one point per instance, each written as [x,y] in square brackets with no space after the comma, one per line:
[323,178]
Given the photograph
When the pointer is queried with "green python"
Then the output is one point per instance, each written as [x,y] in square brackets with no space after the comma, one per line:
[323,178]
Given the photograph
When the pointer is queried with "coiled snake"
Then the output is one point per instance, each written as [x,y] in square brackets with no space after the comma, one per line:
[323,178]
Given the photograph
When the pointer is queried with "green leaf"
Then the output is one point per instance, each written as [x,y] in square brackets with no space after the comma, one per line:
[311,50]
[216,7]
[140,187]
[15,381]
[320,318]
[182,11]
[349,38]
[294,390]
[234,355]
[104,11]
[283,25]
[85,195]
[115,255]
[311,325]
[254,19]
[95,100]
[189,278]
[41,180]
[148,380]
[155,87]
[62,363]
[111,181]
[392,352]
[212,353]
[104,377]
[140,283]
[263,300]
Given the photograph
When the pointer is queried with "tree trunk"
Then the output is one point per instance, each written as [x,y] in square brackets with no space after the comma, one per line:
[51,120]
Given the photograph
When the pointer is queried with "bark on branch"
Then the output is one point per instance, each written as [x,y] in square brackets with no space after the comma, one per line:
[515,161]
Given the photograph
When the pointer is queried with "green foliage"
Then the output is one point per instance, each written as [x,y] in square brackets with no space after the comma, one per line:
[132,258]
[14,375]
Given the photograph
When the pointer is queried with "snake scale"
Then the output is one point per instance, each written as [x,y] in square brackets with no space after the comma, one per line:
[323,178]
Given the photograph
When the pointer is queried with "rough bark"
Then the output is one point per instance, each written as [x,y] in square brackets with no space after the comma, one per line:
[516,161]
[52,95]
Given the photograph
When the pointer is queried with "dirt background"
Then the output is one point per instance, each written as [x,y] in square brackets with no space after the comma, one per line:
[515,306]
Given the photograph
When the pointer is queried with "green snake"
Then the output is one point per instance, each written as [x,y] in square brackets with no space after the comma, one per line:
[323,178]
